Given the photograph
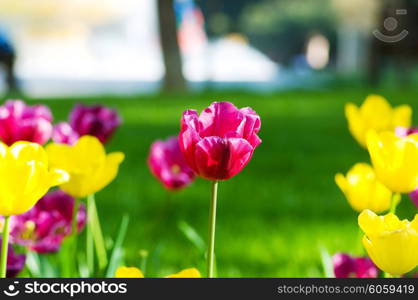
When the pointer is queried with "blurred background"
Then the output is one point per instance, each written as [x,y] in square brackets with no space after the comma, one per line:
[296,62]
[127,46]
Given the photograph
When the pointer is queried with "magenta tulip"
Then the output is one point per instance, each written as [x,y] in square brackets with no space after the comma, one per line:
[64,134]
[97,120]
[167,164]
[44,227]
[20,122]
[220,142]
[347,266]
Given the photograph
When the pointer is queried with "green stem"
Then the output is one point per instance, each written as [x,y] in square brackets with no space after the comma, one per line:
[396,198]
[97,233]
[89,238]
[212,227]
[4,247]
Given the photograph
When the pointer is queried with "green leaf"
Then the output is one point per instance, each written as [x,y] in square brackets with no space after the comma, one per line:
[191,234]
[117,253]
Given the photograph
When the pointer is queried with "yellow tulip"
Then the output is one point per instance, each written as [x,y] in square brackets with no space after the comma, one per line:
[375,114]
[25,177]
[129,272]
[391,243]
[363,190]
[187,273]
[395,160]
[132,272]
[89,167]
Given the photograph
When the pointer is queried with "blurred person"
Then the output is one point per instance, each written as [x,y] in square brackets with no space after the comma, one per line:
[7,60]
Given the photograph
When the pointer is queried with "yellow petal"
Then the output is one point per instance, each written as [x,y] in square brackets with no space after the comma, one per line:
[187,273]
[58,177]
[128,272]
[60,156]
[25,152]
[88,151]
[402,116]
[341,181]
[109,170]
[369,222]
[356,124]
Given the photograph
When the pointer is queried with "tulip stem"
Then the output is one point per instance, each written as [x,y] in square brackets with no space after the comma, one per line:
[396,198]
[4,247]
[212,228]
[96,232]
[89,238]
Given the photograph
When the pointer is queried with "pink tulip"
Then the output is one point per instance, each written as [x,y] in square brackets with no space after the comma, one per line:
[97,120]
[20,122]
[64,134]
[44,227]
[347,266]
[220,142]
[167,164]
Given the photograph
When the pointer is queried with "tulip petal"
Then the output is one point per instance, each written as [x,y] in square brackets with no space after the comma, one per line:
[252,126]
[402,116]
[25,152]
[109,171]
[355,123]
[189,136]
[58,177]
[187,273]
[128,272]
[219,159]
[221,118]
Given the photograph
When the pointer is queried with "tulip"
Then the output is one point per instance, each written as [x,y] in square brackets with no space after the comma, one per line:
[15,262]
[375,114]
[64,134]
[187,273]
[346,266]
[363,190]
[90,168]
[167,164]
[217,145]
[395,160]
[128,272]
[20,122]
[44,227]
[220,142]
[97,120]
[25,177]
[391,243]
[132,272]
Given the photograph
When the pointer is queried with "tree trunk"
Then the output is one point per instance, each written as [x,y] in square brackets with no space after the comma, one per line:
[173,79]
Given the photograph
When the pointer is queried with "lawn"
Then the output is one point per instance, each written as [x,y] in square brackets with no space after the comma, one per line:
[273,218]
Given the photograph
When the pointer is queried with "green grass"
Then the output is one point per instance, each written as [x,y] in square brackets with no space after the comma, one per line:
[274,217]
